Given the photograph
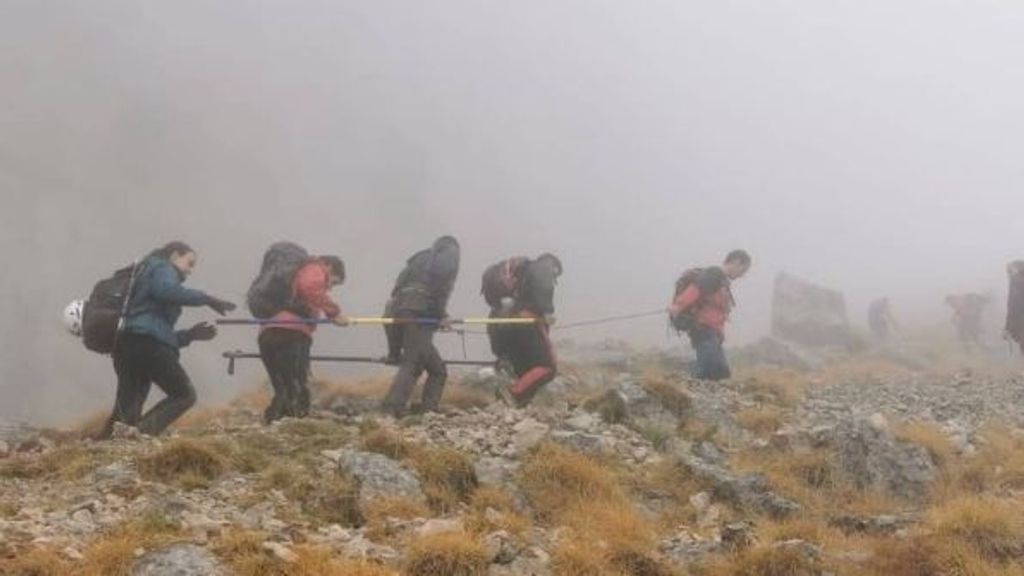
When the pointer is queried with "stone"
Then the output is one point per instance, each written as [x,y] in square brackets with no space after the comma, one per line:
[527,433]
[496,471]
[436,526]
[810,315]
[178,560]
[281,552]
[380,476]
[501,547]
[871,458]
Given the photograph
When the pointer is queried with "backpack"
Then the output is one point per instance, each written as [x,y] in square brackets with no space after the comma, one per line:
[503,280]
[105,310]
[271,291]
[687,319]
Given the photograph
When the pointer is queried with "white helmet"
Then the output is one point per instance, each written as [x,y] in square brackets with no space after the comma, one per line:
[73,317]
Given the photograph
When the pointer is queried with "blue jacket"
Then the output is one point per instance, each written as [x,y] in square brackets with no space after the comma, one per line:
[157,299]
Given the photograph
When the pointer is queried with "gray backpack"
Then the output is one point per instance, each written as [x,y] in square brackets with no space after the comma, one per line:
[271,291]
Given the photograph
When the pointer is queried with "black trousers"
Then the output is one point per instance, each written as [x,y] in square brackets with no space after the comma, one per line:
[533,358]
[418,355]
[141,361]
[285,355]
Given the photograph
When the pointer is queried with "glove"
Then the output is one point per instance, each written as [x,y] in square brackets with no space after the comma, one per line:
[445,324]
[201,332]
[221,307]
[550,319]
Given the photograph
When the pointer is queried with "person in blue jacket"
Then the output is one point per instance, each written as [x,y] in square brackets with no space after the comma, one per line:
[147,349]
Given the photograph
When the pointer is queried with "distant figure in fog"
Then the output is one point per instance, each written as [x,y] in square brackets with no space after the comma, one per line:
[967,317]
[881,321]
[1014,330]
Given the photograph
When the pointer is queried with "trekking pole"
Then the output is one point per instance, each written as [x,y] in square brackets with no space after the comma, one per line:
[239,355]
[364,321]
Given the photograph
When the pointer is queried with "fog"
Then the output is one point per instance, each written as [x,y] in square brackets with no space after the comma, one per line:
[871,146]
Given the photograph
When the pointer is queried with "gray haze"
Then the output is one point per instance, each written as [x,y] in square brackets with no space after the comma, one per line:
[870,145]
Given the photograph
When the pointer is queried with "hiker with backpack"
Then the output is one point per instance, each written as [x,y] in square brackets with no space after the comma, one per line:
[881,321]
[291,289]
[419,302]
[1014,330]
[701,306]
[144,344]
[523,288]
[967,317]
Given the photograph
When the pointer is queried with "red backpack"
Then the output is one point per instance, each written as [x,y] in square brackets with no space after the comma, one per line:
[687,319]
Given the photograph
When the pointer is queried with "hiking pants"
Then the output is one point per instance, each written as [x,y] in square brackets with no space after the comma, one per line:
[498,337]
[418,355]
[533,358]
[711,363]
[141,361]
[285,355]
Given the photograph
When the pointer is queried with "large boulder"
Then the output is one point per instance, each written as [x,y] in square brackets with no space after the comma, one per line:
[870,458]
[750,491]
[379,476]
[810,315]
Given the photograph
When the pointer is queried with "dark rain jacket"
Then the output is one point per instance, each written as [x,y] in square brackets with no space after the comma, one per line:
[157,299]
[425,285]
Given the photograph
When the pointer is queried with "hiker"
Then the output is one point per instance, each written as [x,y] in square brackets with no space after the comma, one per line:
[285,341]
[881,321]
[967,311]
[147,349]
[701,307]
[523,288]
[1014,330]
[419,301]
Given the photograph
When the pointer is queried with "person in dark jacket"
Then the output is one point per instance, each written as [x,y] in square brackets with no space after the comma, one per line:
[147,350]
[881,321]
[967,317]
[285,347]
[421,293]
[527,348]
[1014,330]
[708,299]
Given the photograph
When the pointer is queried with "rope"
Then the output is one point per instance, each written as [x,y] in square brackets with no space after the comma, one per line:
[609,320]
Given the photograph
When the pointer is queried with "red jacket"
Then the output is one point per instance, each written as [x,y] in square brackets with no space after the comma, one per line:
[311,287]
[712,296]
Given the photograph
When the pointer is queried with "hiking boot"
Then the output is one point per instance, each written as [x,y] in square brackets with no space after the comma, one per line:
[503,393]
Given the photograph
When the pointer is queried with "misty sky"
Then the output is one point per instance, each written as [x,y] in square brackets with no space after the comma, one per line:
[869,145]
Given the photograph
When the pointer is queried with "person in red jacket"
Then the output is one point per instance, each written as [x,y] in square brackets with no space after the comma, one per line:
[708,301]
[285,346]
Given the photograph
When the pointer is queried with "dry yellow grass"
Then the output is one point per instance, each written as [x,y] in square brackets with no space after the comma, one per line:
[994,529]
[64,462]
[113,554]
[380,510]
[776,386]
[191,462]
[672,396]
[572,490]
[761,420]
[448,554]
[386,443]
[767,561]
[929,436]
[448,476]
[509,520]
[244,553]
[36,562]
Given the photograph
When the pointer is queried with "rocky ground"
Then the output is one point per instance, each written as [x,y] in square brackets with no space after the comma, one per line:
[624,467]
